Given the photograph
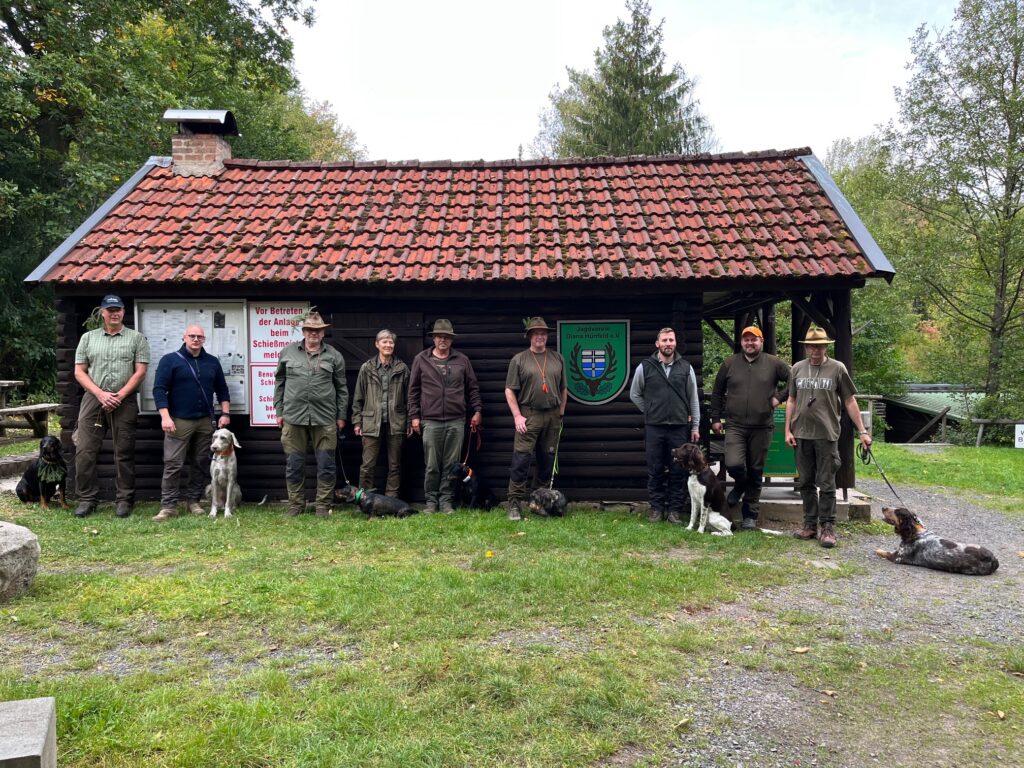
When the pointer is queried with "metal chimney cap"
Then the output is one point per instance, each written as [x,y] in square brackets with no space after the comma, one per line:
[218,121]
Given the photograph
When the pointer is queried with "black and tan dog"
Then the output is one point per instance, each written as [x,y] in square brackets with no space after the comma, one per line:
[374,504]
[46,477]
[919,546]
[547,502]
[469,491]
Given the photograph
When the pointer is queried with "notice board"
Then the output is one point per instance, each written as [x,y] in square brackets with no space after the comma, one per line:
[163,323]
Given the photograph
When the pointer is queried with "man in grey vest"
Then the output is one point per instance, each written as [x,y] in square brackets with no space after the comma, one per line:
[665,390]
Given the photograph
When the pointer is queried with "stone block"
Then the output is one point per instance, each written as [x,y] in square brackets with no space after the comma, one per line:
[28,733]
[19,560]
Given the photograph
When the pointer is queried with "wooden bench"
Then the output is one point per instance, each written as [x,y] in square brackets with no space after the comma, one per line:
[34,417]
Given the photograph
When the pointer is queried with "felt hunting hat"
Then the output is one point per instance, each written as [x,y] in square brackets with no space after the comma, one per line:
[534,324]
[111,300]
[314,322]
[753,330]
[816,335]
[443,328]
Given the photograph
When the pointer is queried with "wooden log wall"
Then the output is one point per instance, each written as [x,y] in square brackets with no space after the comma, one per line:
[601,456]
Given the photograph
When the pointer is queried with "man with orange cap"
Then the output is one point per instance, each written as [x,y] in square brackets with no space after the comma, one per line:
[749,386]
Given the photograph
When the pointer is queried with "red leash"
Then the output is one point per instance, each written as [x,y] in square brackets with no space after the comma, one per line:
[474,429]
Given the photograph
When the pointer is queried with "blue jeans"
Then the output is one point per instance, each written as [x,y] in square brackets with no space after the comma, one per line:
[666,481]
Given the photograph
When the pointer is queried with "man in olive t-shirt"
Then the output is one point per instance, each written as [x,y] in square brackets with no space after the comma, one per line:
[818,388]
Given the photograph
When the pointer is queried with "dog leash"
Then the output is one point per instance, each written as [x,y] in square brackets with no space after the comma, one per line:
[866,456]
[337,456]
[479,431]
[554,467]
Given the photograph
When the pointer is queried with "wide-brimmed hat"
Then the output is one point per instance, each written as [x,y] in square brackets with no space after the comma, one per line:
[816,335]
[443,328]
[314,322]
[111,300]
[534,324]
[753,330]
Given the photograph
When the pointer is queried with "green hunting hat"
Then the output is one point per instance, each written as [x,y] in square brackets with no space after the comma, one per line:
[534,324]
[443,328]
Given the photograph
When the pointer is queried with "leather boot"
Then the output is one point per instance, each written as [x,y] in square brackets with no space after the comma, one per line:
[514,511]
[296,500]
[827,535]
[808,532]
[655,516]
[673,517]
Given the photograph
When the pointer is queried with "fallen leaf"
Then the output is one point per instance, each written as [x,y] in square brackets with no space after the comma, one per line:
[863,665]
[1020,554]
[801,649]
[682,725]
[519,533]
[394,646]
[204,633]
[489,553]
[1000,714]
[827,692]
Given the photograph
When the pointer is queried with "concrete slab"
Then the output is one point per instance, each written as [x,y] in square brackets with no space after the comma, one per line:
[28,733]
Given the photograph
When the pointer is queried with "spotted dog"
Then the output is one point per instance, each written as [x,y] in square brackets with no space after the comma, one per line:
[547,502]
[919,546]
[707,499]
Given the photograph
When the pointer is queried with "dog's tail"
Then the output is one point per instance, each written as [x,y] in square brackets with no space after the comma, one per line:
[262,501]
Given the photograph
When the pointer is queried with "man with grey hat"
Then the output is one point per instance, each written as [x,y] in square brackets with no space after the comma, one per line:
[110,363]
[311,403]
[442,388]
[819,387]
[536,391]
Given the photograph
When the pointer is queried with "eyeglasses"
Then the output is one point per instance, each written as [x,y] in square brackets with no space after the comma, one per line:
[195,336]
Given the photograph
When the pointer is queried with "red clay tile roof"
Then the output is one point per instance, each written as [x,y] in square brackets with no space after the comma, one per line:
[710,217]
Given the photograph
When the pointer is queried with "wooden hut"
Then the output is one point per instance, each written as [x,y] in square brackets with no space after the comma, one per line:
[648,241]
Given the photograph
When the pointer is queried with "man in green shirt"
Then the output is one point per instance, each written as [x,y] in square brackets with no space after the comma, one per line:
[311,402]
[110,363]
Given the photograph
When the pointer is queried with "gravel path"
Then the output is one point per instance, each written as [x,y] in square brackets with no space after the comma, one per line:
[766,719]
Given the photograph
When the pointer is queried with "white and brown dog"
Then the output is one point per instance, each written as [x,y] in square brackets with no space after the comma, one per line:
[707,499]
[224,490]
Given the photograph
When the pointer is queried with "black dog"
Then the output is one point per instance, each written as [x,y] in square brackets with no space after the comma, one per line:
[919,546]
[375,504]
[547,502]
[46,477]
[469,491]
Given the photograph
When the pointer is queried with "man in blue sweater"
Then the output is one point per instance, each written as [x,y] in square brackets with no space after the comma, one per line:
[184,390]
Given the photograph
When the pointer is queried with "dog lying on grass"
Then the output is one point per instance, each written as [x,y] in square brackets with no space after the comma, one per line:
[919,546]
[469,491]
[707,499]
[547,502]
[375,504]
[46,477]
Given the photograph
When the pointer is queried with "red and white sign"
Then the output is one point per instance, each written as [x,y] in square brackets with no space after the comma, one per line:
[271,328]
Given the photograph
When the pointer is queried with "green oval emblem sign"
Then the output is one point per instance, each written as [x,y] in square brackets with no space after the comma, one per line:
[596,356]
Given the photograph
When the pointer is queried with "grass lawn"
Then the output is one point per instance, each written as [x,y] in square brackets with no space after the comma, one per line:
[432,641]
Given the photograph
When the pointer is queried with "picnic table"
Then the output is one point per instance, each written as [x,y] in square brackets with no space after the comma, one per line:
[35,417]
[5,387]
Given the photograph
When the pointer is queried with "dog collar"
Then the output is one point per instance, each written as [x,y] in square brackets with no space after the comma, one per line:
[469,475]
[359,494]
[227,451]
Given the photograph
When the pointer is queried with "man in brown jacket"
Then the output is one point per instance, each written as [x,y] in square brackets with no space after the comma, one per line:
[442,387]
[748,388]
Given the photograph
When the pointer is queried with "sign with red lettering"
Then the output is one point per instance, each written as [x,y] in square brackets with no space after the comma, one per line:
[271,328]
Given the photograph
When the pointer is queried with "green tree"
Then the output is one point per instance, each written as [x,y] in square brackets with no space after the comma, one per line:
[960,150]
[630,104]
[83,85]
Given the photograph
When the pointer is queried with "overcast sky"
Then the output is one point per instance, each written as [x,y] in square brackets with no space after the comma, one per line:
[466,79]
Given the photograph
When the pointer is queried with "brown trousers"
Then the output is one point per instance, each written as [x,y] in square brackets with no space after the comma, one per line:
[93,423]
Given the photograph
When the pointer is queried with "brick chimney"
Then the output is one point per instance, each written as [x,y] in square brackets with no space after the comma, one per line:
[199,148]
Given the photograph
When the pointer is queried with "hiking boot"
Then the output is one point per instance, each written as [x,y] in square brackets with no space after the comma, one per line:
[673,517]
[827,535]
[323,510]
[124,509]
[749,524]
[85,509]
[655,516]
[807,533]
[447,508]
[429,508]
[165,514]
[735,494]
[294,508]
[514,511]
[196,508]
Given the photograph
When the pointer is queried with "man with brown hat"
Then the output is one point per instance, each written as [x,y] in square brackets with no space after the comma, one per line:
[442,387]
[818,388]
[536,391]
[747,391]
[311,403]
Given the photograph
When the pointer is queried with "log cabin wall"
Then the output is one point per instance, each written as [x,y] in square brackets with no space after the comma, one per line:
[601,456]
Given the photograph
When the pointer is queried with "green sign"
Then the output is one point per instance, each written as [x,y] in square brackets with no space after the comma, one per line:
[781,460]
[596,356]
